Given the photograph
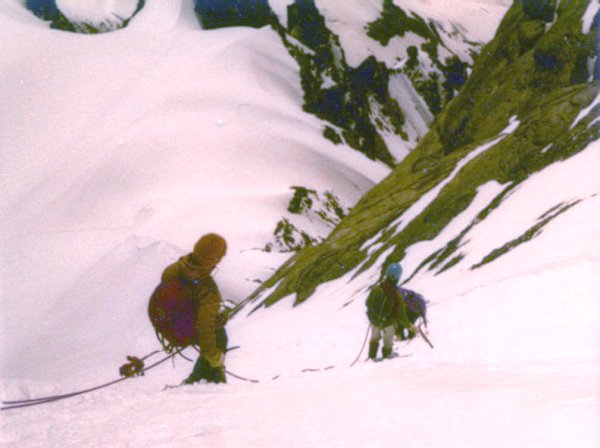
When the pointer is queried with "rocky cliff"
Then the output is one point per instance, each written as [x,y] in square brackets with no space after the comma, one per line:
[528,103]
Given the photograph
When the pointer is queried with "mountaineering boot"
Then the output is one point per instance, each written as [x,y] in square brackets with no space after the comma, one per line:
[200,372]
[373,348]
[386,352]
[204,371]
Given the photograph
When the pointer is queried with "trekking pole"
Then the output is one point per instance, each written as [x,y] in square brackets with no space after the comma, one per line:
[362,348]
[35,401]
[422,333]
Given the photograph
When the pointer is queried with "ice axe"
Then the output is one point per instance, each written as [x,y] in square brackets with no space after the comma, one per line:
[422,333]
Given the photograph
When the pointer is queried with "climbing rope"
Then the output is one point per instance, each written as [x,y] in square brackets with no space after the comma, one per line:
[136,367]
[363,346]
[241,377]
[15,404]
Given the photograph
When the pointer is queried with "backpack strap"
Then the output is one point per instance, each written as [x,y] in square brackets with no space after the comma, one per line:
[202,288]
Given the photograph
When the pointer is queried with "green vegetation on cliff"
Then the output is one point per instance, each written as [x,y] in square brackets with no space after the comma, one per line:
[334,91]
[444,79]
[533,71]
[322,209]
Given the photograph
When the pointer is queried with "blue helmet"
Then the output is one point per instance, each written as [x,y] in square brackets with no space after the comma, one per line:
[393,272]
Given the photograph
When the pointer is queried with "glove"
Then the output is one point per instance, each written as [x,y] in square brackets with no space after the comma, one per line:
[134,367]
[222,318]
[216,360]
[412,331]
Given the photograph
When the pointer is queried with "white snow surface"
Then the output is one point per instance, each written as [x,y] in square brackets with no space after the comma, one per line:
[120,150]
[588,16]
[461,21]
[97,11]
[424,201]
[280,7]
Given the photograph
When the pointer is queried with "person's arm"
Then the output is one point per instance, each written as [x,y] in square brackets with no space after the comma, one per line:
[206,326]
[402,317]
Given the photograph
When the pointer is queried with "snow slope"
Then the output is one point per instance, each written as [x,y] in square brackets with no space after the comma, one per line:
[461,24]
[129,146]
[515,363]
[96,12]
[120,150]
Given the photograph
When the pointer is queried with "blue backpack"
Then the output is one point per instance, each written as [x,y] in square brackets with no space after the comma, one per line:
[416,305]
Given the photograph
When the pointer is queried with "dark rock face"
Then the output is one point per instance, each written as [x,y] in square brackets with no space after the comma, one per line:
[225,13]
[543,80]
[594,28]
[539,9]
[44,9]
[346,99]
[306,23]
[371,76]
[47,10]
[447,77]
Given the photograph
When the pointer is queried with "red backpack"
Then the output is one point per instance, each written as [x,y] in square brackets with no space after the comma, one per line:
[173,314]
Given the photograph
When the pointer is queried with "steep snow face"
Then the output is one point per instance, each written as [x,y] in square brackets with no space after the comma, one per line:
[124,148]
[515,362]
[119,150]
[389,127]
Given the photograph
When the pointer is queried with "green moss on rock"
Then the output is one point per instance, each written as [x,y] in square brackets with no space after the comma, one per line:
[302,200]
[394,21]
[545,101]
[330,134]
[529,234]
[529,33]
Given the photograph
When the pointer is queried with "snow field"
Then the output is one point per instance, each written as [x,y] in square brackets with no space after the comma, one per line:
[120,150]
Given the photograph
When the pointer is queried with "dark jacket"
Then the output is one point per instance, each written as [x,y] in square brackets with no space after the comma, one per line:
[385,306]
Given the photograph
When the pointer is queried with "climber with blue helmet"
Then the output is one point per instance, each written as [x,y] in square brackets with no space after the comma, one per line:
[388,311]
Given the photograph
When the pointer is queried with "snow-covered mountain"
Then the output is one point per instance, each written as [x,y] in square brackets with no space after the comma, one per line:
[378,73]
[138,141]
[540,74]
[120,149]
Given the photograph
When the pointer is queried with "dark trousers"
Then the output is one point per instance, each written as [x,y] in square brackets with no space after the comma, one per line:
[202,369]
